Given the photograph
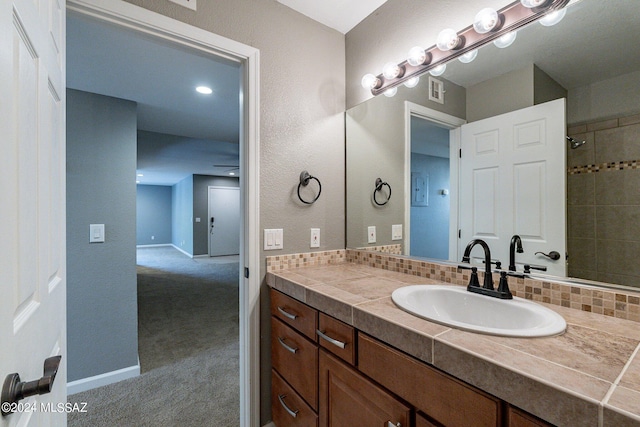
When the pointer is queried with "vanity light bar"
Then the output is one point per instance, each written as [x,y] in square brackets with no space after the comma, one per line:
[513,17]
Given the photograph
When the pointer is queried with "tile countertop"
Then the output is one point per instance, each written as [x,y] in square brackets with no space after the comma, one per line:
[588,376]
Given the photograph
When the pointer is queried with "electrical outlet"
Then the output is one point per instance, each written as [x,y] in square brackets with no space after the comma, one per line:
[315,238]
[96,233]
[189,4]
[371,234]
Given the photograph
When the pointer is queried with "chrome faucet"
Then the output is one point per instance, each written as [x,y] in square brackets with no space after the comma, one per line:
[503,291]
[516,245]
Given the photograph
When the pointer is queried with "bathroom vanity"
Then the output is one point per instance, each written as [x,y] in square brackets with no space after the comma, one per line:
[344,354]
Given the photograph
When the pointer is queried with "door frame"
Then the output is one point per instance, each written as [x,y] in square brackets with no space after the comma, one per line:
[148,22]
[453,124]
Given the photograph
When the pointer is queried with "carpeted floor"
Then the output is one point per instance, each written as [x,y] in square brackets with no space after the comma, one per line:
[188,347]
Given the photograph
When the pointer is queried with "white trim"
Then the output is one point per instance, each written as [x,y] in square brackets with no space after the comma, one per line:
[103,379]
[154,246]
[183,251]
[453,124]
[142,20]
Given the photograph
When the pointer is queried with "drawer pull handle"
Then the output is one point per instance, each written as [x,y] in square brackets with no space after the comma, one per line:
[331,340]
[289,348]
[289,315]
[281,398]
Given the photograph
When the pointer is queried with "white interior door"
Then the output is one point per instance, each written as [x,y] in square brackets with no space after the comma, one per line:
[224,221]
[512,180]
[32,195]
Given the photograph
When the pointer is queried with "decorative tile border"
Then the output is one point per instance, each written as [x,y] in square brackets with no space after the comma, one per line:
[605,167]
[614,303]
[284,262]
[387,249]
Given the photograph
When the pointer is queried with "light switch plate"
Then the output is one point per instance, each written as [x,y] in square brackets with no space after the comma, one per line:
[96,233]
[396,232]
[371,234]
[273,239]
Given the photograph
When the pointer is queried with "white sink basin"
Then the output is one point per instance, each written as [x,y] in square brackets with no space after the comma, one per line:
[455,306]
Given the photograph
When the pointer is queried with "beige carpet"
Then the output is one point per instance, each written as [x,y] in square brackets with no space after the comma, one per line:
[188,347]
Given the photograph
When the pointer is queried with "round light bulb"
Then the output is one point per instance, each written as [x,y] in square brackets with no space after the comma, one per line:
[532,3]
[391,92]
[469,56]
[391,70]
[417,56]
[412,82]
[447,40]
[439,70]
[506,40]
[486,20]
[369,81]
[204,90]
[553,18]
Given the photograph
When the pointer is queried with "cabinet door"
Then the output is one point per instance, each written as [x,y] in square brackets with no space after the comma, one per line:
[348,399]
[287,407]
[519,418]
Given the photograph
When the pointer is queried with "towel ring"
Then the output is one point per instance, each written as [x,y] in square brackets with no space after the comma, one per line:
[305,177]
[379,185]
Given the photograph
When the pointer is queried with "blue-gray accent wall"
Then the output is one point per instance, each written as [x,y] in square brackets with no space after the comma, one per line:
[102,312]
[153,215]
[182,215]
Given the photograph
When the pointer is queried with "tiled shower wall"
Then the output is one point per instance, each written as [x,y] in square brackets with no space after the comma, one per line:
[603,205]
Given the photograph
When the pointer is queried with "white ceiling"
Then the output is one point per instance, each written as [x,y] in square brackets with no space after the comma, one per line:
[341,15]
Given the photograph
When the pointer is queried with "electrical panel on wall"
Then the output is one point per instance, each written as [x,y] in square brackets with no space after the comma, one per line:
[436,90]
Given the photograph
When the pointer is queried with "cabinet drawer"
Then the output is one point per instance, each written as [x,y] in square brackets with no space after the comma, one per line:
[337,337]
[287,407]
[519,418]
[440,396]
[294,313]
[296,360]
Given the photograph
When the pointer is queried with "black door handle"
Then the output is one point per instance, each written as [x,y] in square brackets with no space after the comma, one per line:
[13,390]
[554,255]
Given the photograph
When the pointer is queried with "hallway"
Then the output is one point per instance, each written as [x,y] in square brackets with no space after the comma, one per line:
[188,347]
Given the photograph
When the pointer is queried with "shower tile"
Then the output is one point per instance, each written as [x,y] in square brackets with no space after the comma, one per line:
[575,129]
[629,120]
[619,187]
[605,124]
[581,189]
[618,222]
[583,155]
[582,253]
[618,144]
[581,222]
[618,256]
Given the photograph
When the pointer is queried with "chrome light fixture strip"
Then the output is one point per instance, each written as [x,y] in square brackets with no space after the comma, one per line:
[514,16]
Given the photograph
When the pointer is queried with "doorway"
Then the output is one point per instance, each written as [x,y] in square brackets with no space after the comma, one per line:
[162,28]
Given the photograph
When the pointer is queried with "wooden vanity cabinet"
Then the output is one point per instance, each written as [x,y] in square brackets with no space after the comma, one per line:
[348,399]
[337,337]
[443,398]
[518,418]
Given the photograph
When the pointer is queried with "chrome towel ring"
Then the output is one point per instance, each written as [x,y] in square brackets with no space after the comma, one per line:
[379,185]
[305,177]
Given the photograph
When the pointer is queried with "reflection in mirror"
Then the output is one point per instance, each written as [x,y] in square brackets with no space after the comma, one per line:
[594,54]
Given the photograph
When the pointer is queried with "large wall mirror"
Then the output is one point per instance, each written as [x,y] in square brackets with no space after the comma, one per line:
[591,58]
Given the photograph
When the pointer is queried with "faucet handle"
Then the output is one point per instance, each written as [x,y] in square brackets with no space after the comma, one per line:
[473,280]
[503,286]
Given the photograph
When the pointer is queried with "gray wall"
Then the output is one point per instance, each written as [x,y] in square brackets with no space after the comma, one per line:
[102,322]
[153,214]
[201,185]
[375,132]
[302,102]
[182,215]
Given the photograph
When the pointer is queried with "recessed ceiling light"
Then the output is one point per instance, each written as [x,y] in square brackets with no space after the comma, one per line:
[204,90]
[232,173]
[140,174]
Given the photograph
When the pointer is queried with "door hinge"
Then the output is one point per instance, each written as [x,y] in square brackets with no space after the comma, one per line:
[246,272]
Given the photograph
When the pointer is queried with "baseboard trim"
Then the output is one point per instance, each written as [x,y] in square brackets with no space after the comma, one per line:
[107,378]
[183,251]
[271,424]
[154,246]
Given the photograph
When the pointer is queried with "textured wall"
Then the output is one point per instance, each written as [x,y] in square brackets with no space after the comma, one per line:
[182,215]
[153,215]
[397,26]
[102,322]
